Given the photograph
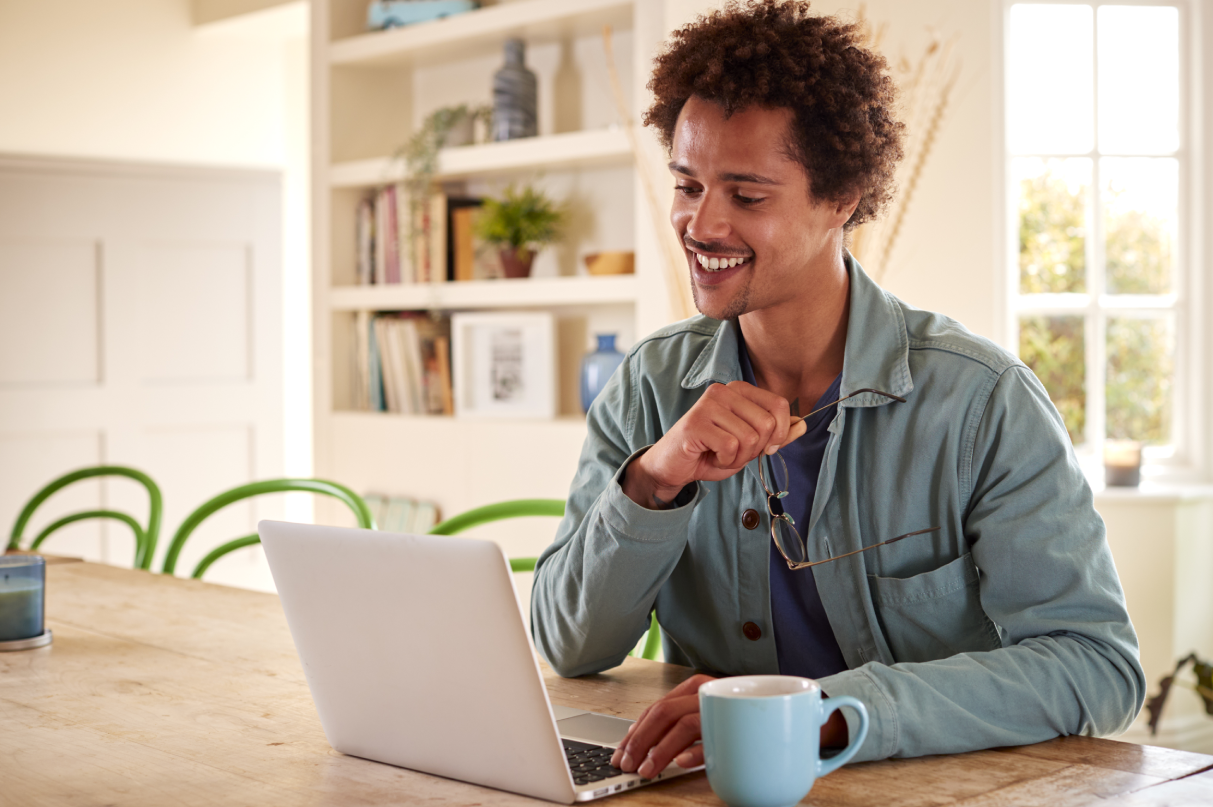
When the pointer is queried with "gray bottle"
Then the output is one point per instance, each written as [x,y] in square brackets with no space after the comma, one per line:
[515,96]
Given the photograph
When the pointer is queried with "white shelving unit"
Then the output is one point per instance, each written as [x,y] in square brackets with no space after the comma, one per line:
[370,90]
[569,151]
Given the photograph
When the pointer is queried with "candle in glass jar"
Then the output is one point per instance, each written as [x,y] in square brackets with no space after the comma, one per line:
[1122,463]
[22,596]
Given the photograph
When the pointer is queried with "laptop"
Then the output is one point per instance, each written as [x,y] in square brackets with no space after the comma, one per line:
[416,654]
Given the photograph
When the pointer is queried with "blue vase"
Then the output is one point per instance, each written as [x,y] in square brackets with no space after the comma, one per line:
[597,367]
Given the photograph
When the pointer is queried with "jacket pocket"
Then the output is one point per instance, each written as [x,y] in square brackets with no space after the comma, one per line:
[935,614]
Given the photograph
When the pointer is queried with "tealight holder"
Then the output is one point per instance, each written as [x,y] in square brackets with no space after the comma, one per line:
[23,602]
[1122,463]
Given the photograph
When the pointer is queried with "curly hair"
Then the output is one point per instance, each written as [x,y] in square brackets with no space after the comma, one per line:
[774,54]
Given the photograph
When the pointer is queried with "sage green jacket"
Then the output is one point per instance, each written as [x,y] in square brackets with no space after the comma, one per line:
[1007,626]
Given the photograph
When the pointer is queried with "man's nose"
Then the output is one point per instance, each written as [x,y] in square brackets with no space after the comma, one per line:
[710,221]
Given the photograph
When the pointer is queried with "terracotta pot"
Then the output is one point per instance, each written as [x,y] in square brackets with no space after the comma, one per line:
[513,266]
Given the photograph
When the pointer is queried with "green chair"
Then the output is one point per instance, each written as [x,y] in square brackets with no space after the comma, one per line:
[517,508]
[340,492]
[145,538]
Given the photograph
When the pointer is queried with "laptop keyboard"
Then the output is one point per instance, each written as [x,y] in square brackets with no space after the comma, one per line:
[589,763]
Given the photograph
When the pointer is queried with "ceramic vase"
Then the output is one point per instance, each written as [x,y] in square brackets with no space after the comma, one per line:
[515,96]
[597,367]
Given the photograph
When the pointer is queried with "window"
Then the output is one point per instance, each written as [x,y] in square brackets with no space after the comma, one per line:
[1097,167]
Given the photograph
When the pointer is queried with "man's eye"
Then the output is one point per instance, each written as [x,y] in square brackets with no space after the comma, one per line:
[747,200]
[685,189]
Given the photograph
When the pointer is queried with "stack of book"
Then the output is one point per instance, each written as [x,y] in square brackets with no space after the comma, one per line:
[403,364]
[429,242]
[402,514]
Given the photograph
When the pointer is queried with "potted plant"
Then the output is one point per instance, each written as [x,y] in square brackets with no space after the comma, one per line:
[518,224]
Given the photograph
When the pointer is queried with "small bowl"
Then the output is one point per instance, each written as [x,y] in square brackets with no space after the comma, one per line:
[611,263]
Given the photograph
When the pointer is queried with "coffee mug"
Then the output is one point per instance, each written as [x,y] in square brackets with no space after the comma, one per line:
[761,737]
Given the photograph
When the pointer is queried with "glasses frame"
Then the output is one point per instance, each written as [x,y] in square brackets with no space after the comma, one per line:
[779,494]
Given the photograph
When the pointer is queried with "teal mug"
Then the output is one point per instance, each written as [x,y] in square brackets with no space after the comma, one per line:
[761,737]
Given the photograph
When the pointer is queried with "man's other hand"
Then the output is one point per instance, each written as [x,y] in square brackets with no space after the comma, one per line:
[726,429]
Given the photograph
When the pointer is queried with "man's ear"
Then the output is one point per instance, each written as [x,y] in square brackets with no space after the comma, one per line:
[844,209]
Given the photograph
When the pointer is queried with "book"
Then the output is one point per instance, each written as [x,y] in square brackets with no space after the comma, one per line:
[436,237]
[461,237]
[365,235]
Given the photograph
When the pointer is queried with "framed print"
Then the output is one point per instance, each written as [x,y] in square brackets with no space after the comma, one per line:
[505,365]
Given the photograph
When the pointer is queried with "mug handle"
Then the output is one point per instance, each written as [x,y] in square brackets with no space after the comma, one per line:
[829,706]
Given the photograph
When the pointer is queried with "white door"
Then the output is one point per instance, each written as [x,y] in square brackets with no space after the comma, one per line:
[140,324]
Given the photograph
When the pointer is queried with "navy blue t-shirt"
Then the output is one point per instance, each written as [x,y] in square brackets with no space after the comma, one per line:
[804,641]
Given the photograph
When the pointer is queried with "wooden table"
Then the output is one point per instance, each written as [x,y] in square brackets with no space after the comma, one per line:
[162,691]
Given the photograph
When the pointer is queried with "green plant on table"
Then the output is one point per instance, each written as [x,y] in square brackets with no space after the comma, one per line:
[521,220]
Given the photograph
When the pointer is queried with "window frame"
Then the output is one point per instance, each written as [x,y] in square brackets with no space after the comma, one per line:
[1186,461]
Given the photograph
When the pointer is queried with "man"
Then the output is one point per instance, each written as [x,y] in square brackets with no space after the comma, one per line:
[999,620]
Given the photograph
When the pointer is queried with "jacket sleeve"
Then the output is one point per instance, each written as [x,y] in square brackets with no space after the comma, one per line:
[1069,657]
[596,584]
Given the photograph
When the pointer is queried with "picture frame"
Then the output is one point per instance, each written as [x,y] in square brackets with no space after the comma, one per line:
[504,365]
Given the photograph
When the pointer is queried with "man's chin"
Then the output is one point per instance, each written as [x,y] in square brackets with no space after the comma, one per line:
[712,306]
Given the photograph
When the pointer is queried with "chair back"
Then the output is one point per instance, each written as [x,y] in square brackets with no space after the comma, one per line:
[145,537]
[322,486]
[517,508]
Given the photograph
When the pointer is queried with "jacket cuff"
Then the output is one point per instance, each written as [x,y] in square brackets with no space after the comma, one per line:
[642,524]
[883,729]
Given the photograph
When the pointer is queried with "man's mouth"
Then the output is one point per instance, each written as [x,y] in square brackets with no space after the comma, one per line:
[716,264]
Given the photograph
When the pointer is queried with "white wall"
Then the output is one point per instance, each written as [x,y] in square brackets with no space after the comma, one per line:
[136,80]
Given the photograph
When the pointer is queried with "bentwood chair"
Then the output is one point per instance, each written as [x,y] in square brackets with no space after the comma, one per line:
[517,508]
[324,487]
[145,537]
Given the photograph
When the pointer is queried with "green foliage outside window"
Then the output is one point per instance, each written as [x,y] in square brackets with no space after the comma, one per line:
[1052,233]
[1139,379]
[1053,347]
[1139,255]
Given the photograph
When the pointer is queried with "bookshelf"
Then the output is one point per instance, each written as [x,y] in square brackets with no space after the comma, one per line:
[369,91]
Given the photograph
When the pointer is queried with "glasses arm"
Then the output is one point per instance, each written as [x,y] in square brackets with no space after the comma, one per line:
[806,564]
[897,398]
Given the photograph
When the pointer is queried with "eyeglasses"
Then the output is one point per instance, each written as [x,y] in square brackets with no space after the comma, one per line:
[783,528]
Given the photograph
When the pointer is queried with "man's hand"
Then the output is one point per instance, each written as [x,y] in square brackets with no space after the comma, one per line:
[670,730]
[727,428]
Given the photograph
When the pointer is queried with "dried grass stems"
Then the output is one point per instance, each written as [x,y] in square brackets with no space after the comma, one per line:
[926,85]
[674,264]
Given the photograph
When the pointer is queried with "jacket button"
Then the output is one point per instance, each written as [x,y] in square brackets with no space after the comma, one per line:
[751,631]
[749,519]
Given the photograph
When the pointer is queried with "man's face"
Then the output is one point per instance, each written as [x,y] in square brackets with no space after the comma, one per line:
[742,202]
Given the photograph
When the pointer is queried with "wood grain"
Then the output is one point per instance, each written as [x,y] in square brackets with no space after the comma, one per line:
[166,691]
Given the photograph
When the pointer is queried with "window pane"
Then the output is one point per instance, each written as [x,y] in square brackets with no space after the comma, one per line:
[1054,347]
[1141,375]
[1050,79]
[1141,223]
[1138,79]
[1052,224]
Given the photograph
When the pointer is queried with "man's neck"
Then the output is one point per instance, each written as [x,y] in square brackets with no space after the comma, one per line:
[797,347]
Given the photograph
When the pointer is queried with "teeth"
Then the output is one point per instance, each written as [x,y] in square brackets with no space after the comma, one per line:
[716,264]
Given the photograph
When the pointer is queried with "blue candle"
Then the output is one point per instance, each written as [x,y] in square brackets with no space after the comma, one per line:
[22,596]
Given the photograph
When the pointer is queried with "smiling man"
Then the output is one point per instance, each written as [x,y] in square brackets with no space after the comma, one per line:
[814,478]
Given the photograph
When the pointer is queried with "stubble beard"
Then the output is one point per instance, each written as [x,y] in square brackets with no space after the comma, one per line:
[732,310]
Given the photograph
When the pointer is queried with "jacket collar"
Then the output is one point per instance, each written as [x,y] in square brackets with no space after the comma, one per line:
[877,350]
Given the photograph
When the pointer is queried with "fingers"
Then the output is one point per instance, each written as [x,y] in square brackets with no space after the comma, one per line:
[681,736]
[688,687]
[663,718]
[690,758]
[773,405]
[796,431]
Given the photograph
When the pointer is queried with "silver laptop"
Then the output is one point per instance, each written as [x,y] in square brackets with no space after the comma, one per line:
[416,655]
